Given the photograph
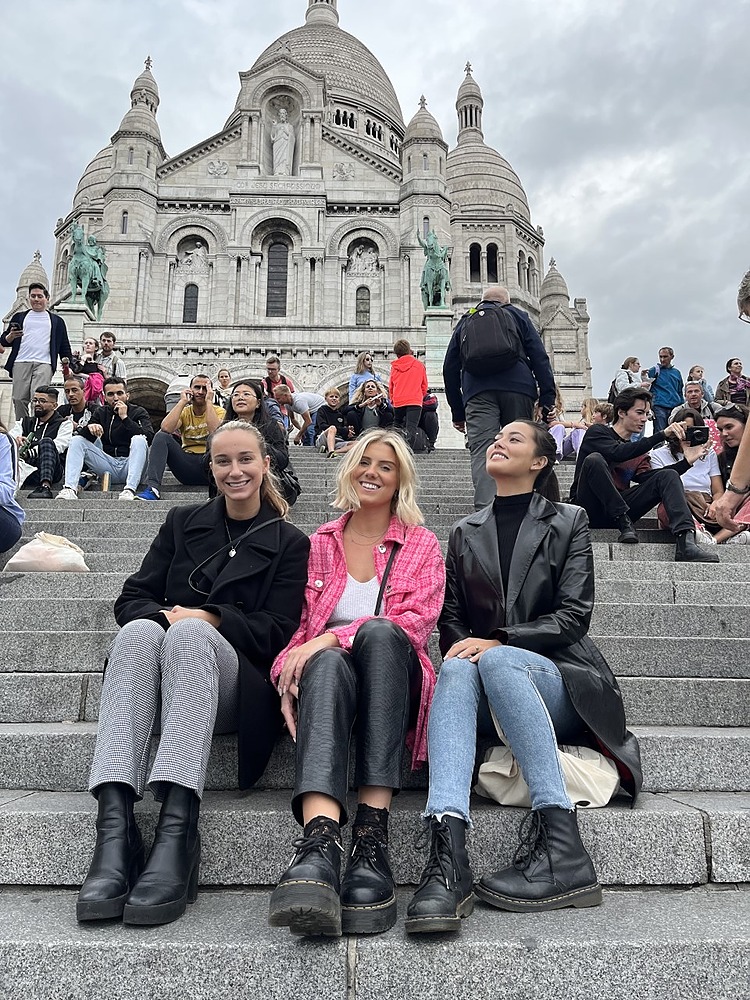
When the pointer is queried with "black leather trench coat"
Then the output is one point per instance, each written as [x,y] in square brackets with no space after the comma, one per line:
[257,594]
[547,610]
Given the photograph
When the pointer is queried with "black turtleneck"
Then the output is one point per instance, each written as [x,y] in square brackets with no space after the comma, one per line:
[509,513]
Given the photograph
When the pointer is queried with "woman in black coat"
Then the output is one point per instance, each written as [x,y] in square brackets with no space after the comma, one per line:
[513,632]
[218,595]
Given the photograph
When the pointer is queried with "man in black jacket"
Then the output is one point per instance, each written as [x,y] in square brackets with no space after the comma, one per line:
[36,338]
[482,404]
[115,441]
[608,461]
[42,441]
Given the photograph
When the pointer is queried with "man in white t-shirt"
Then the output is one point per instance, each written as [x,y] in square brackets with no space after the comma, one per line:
[303,404]
[37,338]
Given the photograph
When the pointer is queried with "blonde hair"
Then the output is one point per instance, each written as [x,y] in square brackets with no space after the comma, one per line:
[404,503]
[360,366]
[269,488]
[359,392]
[588,408]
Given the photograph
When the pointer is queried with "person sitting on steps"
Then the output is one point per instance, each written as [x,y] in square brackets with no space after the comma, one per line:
[348,662]
[513,633]
[606,466]
[217,596]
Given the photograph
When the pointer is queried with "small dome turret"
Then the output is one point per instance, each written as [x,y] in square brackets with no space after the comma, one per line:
[33,272]
[93,182]
[423,126]
[144,102]
[554,290]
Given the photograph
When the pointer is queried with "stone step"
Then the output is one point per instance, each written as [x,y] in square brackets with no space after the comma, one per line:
[648,944]
[649,701]
[107,586]
[246,838]
[607,619]
[57,757]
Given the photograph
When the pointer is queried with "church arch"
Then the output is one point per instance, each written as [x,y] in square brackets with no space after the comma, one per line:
[492,271]
[370,230]
[124,224]
[192,225]
[362,306]
[277,276]
[289,222]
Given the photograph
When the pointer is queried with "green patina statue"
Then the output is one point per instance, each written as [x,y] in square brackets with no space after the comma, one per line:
[87,271]
[436,282]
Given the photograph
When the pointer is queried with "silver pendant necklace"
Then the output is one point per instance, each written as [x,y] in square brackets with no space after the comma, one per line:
[232,549]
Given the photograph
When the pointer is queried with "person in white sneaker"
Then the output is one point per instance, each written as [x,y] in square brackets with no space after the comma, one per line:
[115,441]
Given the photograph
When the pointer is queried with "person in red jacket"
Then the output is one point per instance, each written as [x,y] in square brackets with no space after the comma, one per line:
[407,387]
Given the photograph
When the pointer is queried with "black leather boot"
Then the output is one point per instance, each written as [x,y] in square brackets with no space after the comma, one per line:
[118,856]
[627,534]
[368,894]
[444,895]
[170,879]
[551,869]
[306,900]
[688,550]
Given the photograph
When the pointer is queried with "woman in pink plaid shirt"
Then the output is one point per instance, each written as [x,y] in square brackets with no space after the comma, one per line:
[374,591]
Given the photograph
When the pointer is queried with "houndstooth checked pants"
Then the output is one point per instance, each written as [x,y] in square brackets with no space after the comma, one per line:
[193,671]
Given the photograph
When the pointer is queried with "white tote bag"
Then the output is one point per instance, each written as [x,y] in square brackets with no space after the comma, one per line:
[47,553]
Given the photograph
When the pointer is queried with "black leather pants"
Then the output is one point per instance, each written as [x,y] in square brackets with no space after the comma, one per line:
[377,684]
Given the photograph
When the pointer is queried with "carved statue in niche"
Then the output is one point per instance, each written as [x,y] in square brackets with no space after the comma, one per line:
[363,260]
[192,255]
[282,144]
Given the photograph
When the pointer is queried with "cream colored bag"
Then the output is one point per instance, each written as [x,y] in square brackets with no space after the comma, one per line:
[47,554]
[591,779]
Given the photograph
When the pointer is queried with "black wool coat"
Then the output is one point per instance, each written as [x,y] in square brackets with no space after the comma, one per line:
[257,594]
[547,610]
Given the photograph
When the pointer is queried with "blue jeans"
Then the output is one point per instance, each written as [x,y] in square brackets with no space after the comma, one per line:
[122,470]
[661,417]
[529,699]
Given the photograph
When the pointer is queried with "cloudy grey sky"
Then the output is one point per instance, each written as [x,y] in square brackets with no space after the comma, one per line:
[625,120]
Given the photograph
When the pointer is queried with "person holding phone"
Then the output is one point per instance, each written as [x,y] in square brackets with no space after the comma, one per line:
[369,408]
[194,417]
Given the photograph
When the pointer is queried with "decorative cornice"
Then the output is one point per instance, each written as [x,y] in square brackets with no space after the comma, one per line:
[195,153]
[382,165]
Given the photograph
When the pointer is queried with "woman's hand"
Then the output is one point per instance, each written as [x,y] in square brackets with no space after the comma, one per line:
[178,613]
[289,710]
[470,648]
[694,452]
[296,660]
[725,507]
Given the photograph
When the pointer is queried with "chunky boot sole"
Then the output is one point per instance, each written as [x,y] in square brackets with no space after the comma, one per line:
[163,913]
[307,908]
[369,919]
[589,895]
[442,923]
[100,909]
[111,908]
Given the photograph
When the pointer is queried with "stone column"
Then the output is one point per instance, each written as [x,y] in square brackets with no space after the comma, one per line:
[438,332]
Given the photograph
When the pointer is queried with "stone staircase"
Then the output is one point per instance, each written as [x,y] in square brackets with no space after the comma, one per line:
[676,917]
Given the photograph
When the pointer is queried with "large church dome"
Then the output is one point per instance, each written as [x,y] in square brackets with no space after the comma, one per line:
[351,71]
[93,183]
[479,178]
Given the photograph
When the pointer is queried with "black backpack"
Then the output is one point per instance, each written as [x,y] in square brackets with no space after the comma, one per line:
[490,341]
[613,392]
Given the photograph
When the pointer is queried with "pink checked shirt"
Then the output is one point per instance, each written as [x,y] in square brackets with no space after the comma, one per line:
[413,599]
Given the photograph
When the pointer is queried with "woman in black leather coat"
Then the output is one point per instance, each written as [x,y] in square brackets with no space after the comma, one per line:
[513,632]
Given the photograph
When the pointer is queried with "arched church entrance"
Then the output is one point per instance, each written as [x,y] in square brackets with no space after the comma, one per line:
[149,393]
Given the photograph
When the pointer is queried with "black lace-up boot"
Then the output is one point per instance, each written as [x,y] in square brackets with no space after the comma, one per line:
[628,535]
[118,856]
[444,894]
[306,900]
[551,869]
[368,895]
[170,879]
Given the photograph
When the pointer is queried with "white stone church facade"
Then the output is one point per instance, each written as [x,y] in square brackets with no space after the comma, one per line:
[238,247]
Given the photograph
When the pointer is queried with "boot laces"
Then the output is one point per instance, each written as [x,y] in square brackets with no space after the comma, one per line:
[365,847]
[532,840]
[440,862]
[318,840]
